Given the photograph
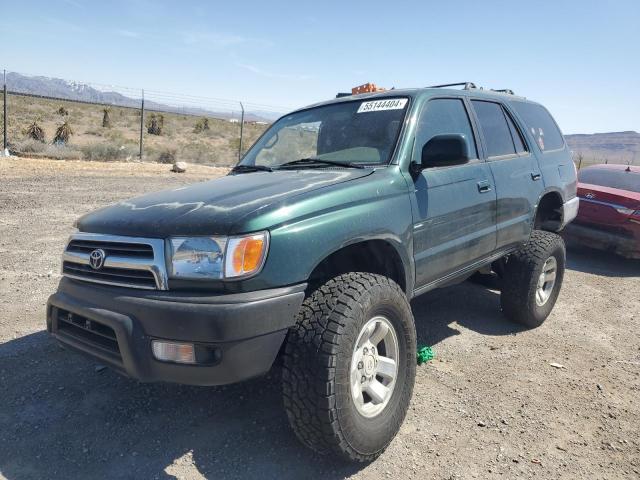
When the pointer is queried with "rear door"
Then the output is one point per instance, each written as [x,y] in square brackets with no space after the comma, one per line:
[453,207]
[515,171]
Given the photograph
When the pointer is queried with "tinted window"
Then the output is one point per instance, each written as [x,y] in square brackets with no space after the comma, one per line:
[540,124]
[515,135]
[494,128]
[445,115]
[621,179]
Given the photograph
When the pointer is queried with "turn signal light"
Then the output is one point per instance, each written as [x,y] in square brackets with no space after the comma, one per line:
[173,352]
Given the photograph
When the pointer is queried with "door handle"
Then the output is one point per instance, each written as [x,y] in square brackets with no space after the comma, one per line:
[484,187]
[535,176]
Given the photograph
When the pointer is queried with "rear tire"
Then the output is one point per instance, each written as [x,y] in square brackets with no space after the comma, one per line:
[533,278]
[333,354]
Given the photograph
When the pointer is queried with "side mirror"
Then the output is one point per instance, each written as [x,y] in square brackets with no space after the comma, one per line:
[445,150]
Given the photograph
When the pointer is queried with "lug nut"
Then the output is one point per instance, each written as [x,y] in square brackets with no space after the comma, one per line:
[360,365]
[364,379]
[365,350]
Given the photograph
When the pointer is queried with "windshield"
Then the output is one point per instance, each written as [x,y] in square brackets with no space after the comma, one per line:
[620,179]
[361,132]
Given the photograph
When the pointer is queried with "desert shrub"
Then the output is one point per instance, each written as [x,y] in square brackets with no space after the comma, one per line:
[167,156]
[202,125]
[106,152]
[63,112]
[39,149]
[106,118]
[35,132]
[63,133]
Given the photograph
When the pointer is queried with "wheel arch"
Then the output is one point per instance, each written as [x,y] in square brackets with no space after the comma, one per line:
[549,212]
[378,256]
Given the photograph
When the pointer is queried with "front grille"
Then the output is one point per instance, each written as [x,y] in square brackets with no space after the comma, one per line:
[122,261]
[88,331]
[111,276]
[137,250]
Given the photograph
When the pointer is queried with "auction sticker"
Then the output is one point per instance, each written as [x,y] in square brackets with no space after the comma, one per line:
[380,105]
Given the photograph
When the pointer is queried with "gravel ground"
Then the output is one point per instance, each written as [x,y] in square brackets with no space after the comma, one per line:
[490,405]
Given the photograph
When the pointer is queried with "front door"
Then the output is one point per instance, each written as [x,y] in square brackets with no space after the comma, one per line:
[454,208]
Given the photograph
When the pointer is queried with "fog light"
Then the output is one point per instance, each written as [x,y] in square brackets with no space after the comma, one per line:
[173,352]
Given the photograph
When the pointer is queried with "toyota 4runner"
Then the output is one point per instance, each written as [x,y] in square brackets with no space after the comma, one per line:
[312,246]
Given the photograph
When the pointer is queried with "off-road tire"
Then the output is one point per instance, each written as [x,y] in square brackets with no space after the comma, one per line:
[520,282]
[317,359]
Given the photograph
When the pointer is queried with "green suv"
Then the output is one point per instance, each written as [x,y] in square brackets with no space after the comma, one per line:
[311,248]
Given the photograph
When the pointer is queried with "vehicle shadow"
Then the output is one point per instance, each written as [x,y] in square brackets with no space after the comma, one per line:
[470,305]
[600,262]
[63,416]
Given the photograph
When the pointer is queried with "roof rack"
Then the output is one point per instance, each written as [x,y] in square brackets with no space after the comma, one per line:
[505,90]
[467,85]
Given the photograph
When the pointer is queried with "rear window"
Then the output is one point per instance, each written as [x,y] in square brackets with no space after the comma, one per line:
[621,179]
[541,125]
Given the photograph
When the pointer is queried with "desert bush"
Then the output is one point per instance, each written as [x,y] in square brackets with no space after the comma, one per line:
[63,133]
[106,119]
[35,132]
[63,112]
[106,152]
[39,149]
[167,156]
[202,125]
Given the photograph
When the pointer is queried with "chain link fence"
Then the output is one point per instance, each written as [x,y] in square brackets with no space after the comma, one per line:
[63,119]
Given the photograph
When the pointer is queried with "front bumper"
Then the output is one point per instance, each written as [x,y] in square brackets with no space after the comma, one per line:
[242,333]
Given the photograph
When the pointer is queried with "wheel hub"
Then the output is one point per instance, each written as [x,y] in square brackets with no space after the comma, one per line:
[546,281]
[374,366]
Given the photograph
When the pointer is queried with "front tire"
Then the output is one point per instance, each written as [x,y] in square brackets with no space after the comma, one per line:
[349,366]
[532,279]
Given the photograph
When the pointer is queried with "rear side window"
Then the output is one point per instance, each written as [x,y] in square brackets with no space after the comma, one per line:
[515,134]
[621,179]
[495,128]
[445,115]
[541,125]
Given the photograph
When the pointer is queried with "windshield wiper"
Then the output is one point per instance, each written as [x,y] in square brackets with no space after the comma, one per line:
[251,168]
[311,161]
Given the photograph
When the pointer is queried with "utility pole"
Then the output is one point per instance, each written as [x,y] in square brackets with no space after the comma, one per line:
[141,122]
[241,130]
[5,149]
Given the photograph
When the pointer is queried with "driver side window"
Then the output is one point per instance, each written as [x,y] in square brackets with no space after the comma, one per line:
[442,116]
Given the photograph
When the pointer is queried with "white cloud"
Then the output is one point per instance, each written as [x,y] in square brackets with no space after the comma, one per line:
[127,33]
[264,73]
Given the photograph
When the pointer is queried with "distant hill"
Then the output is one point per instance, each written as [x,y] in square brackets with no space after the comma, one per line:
[69,90]
[614,147]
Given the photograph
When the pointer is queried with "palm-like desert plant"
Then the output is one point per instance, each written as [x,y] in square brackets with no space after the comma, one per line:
[155,124]
[35,131]
[106,118]
[201,125]
[63,133]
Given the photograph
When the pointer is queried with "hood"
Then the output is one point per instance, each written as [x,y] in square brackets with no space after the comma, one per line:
[209,208]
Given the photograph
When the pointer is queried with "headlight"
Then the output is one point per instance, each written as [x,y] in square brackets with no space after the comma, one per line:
[217,257]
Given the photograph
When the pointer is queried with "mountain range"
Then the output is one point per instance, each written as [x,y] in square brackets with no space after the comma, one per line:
[75,91]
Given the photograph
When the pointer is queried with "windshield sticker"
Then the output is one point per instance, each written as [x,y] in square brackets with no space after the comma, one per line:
[380,105]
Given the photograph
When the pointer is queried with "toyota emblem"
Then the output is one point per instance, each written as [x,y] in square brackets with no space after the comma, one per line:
[96,259]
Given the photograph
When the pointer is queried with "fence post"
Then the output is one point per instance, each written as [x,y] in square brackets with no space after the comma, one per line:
[141,122]
[5,150]
[241,130]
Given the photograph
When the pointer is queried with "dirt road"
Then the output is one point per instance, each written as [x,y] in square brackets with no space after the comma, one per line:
[490,405]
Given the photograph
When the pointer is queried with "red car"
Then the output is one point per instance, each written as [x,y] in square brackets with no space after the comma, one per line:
[609,213]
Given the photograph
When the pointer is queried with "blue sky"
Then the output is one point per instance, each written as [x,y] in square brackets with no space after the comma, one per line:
[579,58]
